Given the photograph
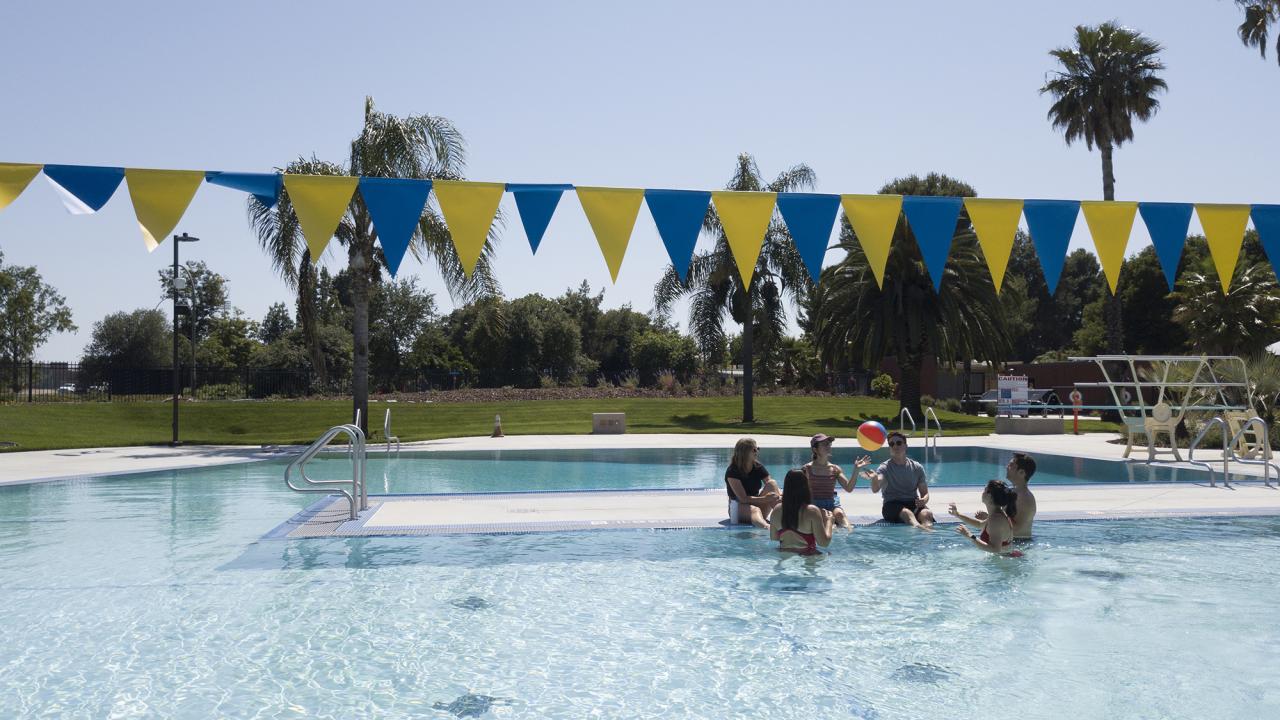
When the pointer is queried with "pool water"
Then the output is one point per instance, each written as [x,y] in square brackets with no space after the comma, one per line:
[153,596]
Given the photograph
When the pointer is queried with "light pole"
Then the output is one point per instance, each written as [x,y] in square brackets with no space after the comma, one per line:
[178,284]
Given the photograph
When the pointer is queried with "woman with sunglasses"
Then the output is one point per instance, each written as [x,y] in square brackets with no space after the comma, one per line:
[752,493]
[900,482]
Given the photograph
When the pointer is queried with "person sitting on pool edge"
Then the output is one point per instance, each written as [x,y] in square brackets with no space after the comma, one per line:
[823,476]
[798,525]
[1018,472]
[905,492]
[997,530]
[752,493]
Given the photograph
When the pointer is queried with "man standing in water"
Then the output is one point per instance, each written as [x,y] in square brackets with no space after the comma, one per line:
[905,492]
[1018,472]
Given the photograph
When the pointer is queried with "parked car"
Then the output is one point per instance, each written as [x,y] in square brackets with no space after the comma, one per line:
[67,389]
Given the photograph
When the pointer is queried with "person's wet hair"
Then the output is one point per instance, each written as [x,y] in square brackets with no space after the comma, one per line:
[796,496]
[1025,463]
[1002,496]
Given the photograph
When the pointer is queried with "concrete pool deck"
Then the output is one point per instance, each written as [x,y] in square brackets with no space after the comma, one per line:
[533,512]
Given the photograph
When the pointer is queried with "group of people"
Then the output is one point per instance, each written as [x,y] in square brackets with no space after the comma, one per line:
[804,513]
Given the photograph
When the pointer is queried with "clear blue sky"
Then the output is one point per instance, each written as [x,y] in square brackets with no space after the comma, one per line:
[654,94]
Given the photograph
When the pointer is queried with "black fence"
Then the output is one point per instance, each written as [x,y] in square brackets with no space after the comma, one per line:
[77,382]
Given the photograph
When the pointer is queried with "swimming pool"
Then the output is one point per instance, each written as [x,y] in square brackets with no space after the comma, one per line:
[152,595]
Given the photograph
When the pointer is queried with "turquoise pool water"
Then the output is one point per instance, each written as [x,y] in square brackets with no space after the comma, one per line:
[153,596]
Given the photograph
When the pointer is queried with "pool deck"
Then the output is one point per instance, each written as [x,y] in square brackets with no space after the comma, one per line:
[559,511]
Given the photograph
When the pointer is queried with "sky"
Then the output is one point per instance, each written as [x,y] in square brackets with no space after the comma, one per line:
[654,94]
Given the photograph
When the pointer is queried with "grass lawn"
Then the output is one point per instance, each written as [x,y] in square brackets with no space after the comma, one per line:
[69,425]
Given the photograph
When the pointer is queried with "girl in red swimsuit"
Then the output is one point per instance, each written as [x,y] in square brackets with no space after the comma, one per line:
[997,530]
[799,526]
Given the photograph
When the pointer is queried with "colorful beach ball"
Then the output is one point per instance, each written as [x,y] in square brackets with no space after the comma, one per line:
[871,435]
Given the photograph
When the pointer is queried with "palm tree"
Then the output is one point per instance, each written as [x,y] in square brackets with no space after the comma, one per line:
[856,321]
[414,146]
[715,289]
[1107,79]
[1259,16]
[1240,322]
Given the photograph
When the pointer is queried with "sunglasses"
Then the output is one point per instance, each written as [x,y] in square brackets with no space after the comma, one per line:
[896,443]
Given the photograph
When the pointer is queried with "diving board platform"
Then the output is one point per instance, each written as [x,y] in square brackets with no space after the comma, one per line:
[563,511]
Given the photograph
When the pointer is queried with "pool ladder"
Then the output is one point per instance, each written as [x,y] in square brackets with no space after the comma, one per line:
[904,416]
[358,496]
[1229,450]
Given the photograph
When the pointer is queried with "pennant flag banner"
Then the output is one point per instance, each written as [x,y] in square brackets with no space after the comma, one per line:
[612,213]
[160,197]
[996,224]
[1050,223]
[395,206]
[1167,224]
[1224,230]
[745,218]
[14,178]
[84,189]
[536,204]
[1266,220]
[933,220]
[319,201]
[874,218]
[809,219]
[468,208]
[263,186]
[1110,223]
[679,215]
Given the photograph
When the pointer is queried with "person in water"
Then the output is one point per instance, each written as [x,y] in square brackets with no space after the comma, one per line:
[823,476]
[752,493]
[900,482]
[997,529]
[1018,472]
[799,525]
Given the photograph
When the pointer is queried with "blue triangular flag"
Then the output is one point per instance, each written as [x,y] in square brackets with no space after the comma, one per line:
[1266,220]
[1051,223]
[678,215]
[809,218]
[84,188]
[264,186]
[933,220]
[536,204]
[1167,224]
[395,206]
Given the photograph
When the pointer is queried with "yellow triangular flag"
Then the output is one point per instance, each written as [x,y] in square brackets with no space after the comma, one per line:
[319,201]
[996,223]
[612,214]
[468,208]
[14,178]
[1110,222]
[160,197]
[745,218]
[1224,230]
[874,219]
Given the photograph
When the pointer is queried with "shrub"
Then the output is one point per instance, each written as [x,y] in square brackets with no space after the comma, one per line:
[928,401]
[951,405]
[631,380]
[667,382]
[883,386]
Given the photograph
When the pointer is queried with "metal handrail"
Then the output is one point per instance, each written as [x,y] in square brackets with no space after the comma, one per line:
[357,497]
[1265,462]
[386,433]
[928,413]
[1226,453]
[902,427]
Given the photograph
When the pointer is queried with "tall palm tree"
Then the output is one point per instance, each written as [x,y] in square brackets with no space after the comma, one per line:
[414,146]
[1240,322]
[1105,81]
[854,320]
[1259,17]
[715,290]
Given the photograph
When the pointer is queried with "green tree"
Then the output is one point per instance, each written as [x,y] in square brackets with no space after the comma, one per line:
[275,323]
[30,311]
[230,342]
[657,351]
[205,294]
[138,339]
[1105,80]
[399,311]
[1242,321]
[715,289]
[1259,17]
[1149,306]
[415,146]
[854,320]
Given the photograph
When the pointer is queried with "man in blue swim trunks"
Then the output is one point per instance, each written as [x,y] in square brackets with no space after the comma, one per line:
[900,482]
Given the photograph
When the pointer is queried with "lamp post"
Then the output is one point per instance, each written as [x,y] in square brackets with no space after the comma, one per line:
[178,284]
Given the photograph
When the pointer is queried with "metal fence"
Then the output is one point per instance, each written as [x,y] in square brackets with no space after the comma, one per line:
[50,382]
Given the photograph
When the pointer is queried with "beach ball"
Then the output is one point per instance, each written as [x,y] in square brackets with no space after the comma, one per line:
[871,435]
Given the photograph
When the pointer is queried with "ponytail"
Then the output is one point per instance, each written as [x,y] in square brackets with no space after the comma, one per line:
[1003,497]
